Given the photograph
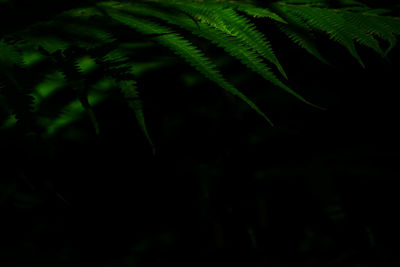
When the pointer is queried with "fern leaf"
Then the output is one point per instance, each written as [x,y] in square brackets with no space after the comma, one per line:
[325,3]
[373,27]
[229,22]
[118,65]
[385,27]
[326,22]
[185,49]
[250,59]
[234,46]
[247,32]
[89,33]
[301,34]
[339,28]
[303,40]
[258,12]
[129,90]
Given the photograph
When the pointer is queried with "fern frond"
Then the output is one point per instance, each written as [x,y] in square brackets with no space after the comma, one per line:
[304,40]
[385,27]
[78,46]
[325,3]
[248,58]
[301,34]
[120,67]
[246,31]
[236,47]
[258,12]
[186,50]
[227,20]
[338,25]
[131,95]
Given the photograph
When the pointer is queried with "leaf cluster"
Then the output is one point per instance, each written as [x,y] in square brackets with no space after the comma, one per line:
[85,54]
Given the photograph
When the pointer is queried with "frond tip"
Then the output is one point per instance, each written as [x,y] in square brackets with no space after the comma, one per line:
[131,95]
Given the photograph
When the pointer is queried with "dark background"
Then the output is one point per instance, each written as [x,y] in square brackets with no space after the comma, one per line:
[319,188]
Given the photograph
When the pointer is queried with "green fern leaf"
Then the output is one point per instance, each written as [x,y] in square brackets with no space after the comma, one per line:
[247,32]
[385,27]
[234,46]
[250,59]
[185,49]
[229,22]
[129,90]
[82,41]
[337,25]
[301,34]
[330,23]
[258,12]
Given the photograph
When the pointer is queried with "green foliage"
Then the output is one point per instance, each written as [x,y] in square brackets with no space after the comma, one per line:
[72,84]
[91,50]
